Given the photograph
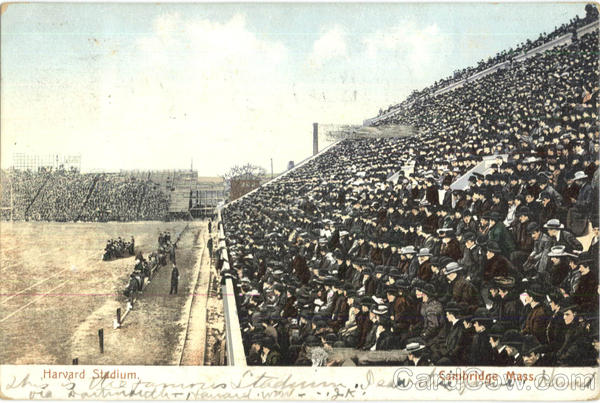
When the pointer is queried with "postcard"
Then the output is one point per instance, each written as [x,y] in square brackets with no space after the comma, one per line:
[299,201]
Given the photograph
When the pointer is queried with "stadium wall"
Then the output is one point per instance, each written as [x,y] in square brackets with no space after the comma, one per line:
[236,355]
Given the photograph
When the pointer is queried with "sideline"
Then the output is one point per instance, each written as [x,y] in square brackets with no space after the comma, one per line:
[185,317]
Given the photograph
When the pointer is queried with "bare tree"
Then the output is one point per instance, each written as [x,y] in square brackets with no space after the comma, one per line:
[247,171]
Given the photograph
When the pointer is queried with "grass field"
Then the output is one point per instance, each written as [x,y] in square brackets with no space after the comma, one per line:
[56,292]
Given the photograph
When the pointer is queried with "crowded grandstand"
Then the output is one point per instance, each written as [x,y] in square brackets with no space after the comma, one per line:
[68,195]
[485,253]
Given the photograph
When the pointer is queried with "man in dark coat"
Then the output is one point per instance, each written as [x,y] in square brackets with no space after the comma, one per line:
[450,246]
[209,244]
[533,353]
[447,201]
[289,309]
[466,224]
[174,280]
[509,305]
[586,293]
[481,352]
[523,239]
[424,273]
[270,355]
[403,308]
[499,356]
[413,265]
[500,234]
[512,341]
[497,265]
[454,350]
[300,269]
[472,268]
[363,321]
[569,354]
[431,311]
[537,319]
[538,258]
[431,193]
[463,292]
[173,254]
[340,312]
[555,330]
[548,209]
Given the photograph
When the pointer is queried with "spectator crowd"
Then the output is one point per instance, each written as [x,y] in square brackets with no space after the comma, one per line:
[67,195]
[352,260]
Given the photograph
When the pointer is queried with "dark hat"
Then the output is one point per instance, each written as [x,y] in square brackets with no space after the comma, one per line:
[497,330]
[331,338]
[268,342]
[568,304]
[391,289]
[482,316]
[313,341]
[366,301]
[426,288]
[402,283]
[379,269]
[444,261]
[395,274]
[535,289]
[454,308]
[523,210]
[469,236]
[585,258]
[493,246]
[330,281]
[512,338]
[532,227]
[495,215]
[481,240]
[504,283]
[306,314]
[555,296]
[385,322]
[531,345]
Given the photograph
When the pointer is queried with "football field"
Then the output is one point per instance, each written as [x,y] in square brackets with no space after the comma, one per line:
[56,293]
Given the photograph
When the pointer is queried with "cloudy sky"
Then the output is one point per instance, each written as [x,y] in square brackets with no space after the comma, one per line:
[151,86]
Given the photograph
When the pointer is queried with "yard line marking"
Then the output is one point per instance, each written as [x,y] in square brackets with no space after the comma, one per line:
[32,302]
[31,286]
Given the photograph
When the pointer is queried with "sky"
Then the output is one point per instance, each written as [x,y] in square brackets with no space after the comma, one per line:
[155,86]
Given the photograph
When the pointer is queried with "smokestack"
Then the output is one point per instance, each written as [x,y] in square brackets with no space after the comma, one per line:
[315,138]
